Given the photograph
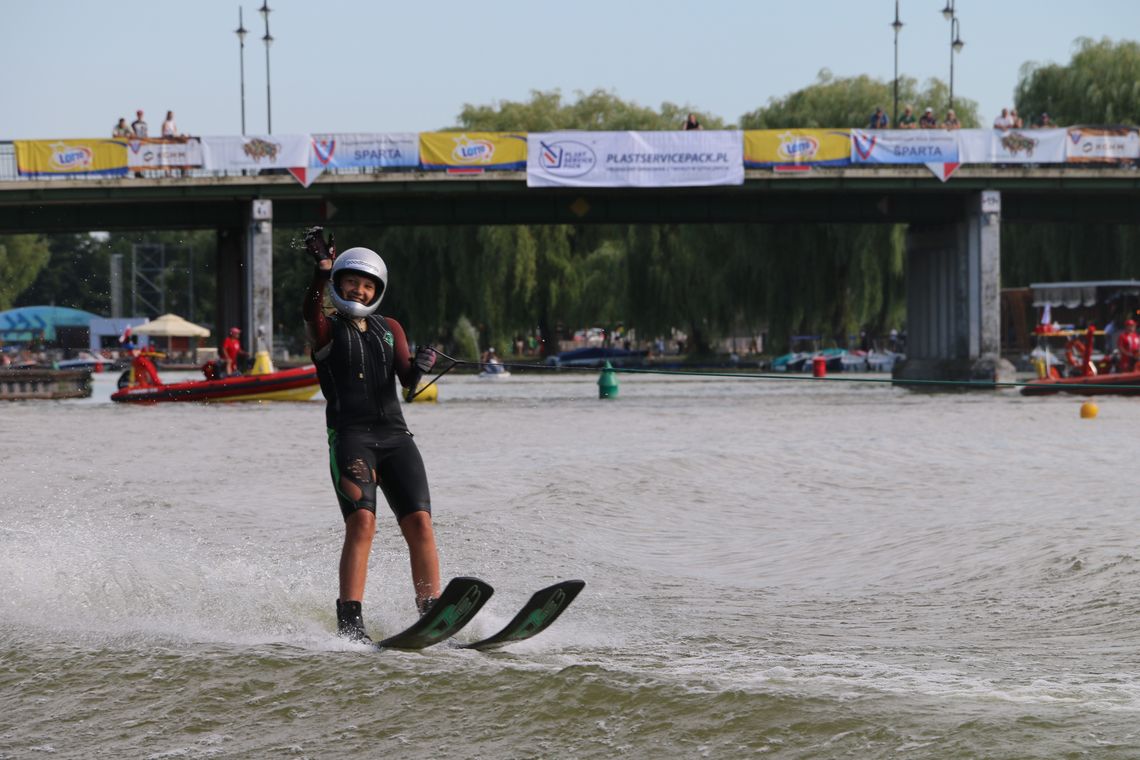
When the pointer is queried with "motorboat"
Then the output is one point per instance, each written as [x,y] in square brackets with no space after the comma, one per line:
[261,384]
[493,369]
[596,356]
[1116,383]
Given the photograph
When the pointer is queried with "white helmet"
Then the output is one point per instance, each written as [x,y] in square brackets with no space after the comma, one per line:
[362,261]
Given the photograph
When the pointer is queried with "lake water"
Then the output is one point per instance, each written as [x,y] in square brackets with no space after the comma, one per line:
[793,569]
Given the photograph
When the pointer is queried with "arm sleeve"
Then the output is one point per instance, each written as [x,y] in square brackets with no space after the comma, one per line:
[316,323]
[405,370]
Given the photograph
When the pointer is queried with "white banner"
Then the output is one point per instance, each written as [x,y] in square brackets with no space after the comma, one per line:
[903,146]
[158,153]
[397,150]
[1101,144]
[1011,146]
[255,152]
[635,159]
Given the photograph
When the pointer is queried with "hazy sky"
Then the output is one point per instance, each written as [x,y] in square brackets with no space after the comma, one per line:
[72,67]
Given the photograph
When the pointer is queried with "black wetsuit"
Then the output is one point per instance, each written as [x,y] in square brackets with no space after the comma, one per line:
[367,432]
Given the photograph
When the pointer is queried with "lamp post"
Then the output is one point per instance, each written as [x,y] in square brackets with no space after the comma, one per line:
[241,32]
[265,10]
[956,44]
[897,26]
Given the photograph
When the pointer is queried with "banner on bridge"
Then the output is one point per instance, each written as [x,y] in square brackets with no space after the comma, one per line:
[396,150]
[1101,144]
[765,148]
[164,153]
[1011,146]
[254,152]
[71,158]
[635,159]
[460,152]
[904,146]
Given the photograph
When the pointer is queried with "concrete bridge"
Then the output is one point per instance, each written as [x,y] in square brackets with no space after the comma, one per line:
[953,242]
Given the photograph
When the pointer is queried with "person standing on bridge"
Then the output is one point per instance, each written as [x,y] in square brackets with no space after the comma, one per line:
[359,356]
[138,126]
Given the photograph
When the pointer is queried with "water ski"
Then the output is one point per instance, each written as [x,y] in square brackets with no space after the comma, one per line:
[535,616]
[454,609]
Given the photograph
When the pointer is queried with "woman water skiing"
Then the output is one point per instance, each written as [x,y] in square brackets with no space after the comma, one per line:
[359,356]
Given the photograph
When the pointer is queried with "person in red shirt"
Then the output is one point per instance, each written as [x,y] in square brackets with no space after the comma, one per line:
[1129,346]
[231,349]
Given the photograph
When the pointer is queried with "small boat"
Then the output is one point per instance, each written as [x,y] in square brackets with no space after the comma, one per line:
[494,369]
[298,384]
[596,356]
[1117,384]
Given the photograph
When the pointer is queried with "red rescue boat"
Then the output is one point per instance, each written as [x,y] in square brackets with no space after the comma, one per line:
[298,384]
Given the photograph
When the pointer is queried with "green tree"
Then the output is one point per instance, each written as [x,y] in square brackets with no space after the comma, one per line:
[1100,85]
[21,259]
[849,102]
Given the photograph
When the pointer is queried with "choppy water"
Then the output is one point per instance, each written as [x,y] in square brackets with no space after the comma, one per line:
[789,569]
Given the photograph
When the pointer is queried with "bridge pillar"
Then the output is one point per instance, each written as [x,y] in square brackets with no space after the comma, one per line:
[953,299]
[258,329]
[245,279]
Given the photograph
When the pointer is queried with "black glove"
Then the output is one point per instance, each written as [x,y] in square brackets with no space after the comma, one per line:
[317,247]
[425,359]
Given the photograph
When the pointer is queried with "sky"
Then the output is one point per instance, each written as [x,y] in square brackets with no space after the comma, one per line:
[71,68]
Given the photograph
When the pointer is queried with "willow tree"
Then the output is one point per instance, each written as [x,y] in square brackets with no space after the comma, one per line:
[21,259]
[830,279]
[1100,85]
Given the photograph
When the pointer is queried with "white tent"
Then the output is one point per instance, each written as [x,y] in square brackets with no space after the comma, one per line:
[171,326]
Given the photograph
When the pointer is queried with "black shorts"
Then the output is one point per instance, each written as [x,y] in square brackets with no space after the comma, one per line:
[366,457]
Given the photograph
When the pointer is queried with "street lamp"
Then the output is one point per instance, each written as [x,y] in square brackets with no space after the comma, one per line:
[956,44]
[897,26]
[241,32]
[265,10]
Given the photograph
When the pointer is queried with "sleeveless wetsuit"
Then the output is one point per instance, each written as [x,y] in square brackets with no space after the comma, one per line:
[367,432]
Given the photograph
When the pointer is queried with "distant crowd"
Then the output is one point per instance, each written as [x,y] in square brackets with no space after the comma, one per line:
[138,128]
[1009,119]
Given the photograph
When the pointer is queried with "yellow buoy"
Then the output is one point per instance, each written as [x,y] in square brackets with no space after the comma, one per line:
[429,394]
[1088,410]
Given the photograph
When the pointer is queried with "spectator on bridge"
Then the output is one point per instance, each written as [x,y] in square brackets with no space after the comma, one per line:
[1044,122]
[1003,122]
[907,120]
[169,128]
[1016,121]
[122,129]
[928,120]
[951,120]
[138,126]
[691,123]
[879,119]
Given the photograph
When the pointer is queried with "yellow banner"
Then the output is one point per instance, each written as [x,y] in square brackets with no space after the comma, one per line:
[781,147]
[503,151]
[55,158]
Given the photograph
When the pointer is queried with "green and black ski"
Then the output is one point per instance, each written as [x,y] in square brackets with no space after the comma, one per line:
[535,616]
[454,609]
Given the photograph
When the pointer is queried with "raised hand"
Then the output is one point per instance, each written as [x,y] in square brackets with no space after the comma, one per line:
[317,247]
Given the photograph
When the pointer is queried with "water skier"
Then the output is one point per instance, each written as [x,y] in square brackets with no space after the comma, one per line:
[359,355]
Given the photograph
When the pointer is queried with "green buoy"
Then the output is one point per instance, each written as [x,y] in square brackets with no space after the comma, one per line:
[607,382]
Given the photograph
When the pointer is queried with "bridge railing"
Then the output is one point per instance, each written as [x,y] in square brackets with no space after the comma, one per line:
[307,156]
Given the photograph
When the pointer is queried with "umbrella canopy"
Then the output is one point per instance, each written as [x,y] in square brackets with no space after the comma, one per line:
[171,326]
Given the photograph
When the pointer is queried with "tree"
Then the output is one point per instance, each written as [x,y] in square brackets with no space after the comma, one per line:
[848,102]
[1100,85]
[21,259]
